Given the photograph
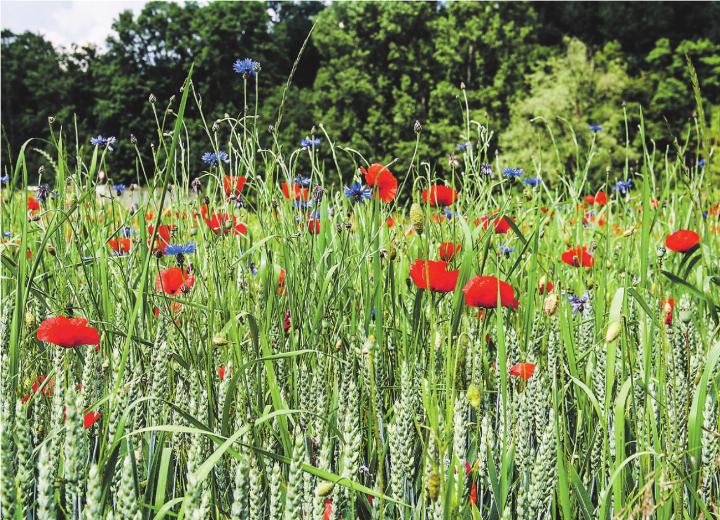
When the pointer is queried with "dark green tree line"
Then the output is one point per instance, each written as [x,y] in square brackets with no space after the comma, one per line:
[370,70]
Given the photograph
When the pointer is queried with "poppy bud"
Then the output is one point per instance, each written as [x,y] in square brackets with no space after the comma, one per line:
[473,395]
[551,304]
[417,218]
[324,489]
[219,341]
[613,332]
[29,320]
[628,232]
[51,249]
[434,486]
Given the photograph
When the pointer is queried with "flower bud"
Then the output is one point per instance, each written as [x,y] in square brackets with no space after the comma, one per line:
[434,486]
[324,489]
[473,395]
[613,332]
[29,320]
[417,218]
[219,341]
[551,304]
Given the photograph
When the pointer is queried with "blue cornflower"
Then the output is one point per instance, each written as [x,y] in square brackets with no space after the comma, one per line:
[302,181]
[119,189]
[595,128]
[310,142]
[180,249]
[314,215]
[357,192]
[701,163]
[623,186]
[103,141]
[513,172]
[448,214]
[5,179]
[212,158]
[302,204]
[7,234]
[533,182]
[578,302]
[253,268]
[372,314]
[505,250]
[464,146]
[486,170]
[125,231]
[246,67]
[705,214]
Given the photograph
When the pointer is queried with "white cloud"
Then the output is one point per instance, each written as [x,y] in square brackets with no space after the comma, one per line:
[66,22]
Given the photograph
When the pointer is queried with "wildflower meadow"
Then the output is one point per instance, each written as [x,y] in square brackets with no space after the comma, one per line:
[261,332]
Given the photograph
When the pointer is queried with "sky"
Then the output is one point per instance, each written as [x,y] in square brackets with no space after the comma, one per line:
[65,22]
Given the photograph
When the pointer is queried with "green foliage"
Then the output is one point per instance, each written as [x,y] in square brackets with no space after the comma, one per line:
[369,71]
[568,94]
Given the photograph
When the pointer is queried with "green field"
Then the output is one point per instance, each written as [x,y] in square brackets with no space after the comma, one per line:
[272,335]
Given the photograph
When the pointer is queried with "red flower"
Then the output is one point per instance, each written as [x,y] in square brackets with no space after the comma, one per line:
[327,514]
[233,185]
[390,222]
[577,257]
[600,199]
[433,275]
[314,226]
[448,250]
[482,291]
[120,245]
[546,288]
[67,332]
[379,177]
[299,193]
[162,237]
[32,204]
[500,224]
[174,280]
[223,223]
[667,307]
[523,370]
[286,321]
[682,240]
[439,195]
[222,372]
[90,419]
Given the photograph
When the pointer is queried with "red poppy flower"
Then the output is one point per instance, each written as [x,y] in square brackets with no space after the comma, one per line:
[578,257]
[667,307]
[482,291]
[523,370]
[448,250]
[233,185]
[223,223]
[222,372]
[439,195]
[382,180]
[174,280]
[67,332]
[313,225]
[175,309]
[433,275]
[298,192]
[90,419]
[682,240]
[500,224]
[327,514]
[48,389]
[542,289]
[600,199]
[120,245]
[32,204]
[390,222]
[162,238]
[286,321]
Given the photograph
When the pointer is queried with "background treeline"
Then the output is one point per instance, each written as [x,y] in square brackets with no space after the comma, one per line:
[370,70]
